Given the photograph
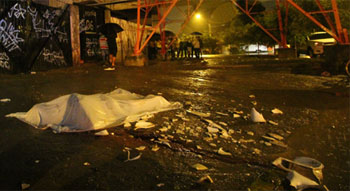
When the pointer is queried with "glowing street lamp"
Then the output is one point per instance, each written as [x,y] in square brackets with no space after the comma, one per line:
[198,16]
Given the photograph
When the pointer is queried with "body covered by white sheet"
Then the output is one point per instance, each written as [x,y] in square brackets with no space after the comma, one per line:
[78,113]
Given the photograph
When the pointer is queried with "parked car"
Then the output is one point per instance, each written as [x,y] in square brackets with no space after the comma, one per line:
[315,43]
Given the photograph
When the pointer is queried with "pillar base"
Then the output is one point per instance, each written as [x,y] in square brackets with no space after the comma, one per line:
[135,61]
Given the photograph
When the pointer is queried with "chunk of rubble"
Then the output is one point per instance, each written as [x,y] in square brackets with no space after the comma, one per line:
[199,167]
[146,117]
[155,148]
[275,136]
[198,113]
[252,96]
[223,123]
[257,117]
[279,143]
[257,151]
[251,133]
[163,129]
[254,103]
[206,178]
[222,152]
[25,186]
[212,144]
[143,125]
[140,148]
[132,159]
[276,111]
[212,129]
[223,114]
[236,115]
[102,133]
[272,122]
[4,100]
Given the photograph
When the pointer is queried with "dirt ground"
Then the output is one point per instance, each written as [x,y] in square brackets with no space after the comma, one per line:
[314,123]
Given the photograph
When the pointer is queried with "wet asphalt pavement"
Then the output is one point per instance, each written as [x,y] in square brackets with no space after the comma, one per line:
[314,123]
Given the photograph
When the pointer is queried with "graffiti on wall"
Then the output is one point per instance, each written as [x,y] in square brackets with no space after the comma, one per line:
[4,61]
[30,26]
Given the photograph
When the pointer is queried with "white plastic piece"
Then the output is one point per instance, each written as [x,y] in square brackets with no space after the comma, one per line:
[102,133]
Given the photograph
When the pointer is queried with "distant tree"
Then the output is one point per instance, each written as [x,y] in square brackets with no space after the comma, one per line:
[210,43]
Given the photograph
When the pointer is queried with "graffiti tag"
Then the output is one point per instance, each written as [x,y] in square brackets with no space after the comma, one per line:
[17,11]
[54,57]
[9,36]
[4,61]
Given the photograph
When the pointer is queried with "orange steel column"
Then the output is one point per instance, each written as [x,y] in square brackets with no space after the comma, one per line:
[337,21]
[137,51]
[280,25]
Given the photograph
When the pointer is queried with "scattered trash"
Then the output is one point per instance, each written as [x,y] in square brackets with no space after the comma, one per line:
[212,129]
[223,123]
[163,129]
[223,114]
[109,69]
[275,136]
[155,148]
[87,164]
[199,167]
[251,133]
[236,115]
[212,144]
[37,161]
[32,72]
[102,133]
[272,122]
[326,74]
[143,125]
[256,116]
[25,186]
[276,111]
[206,178]
[222,152]
[252,96]
[132,159]
[160,185]
[188,103]
[140,148]
[257,151]
[159,93]
[198,113]
[303,172]
[5,100]
[254,103]
[147,117]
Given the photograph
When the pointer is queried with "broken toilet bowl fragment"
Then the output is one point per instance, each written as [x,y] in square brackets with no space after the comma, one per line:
[303,172]
[143,125]
[257,117]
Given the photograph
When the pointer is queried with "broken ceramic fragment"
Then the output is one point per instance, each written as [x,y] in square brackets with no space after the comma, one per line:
[140,148]
[206,178]
[143,125]
[102,133]
[272,122]
[276,111]
[257,117]
[199,166]
[222,152]
[198,113]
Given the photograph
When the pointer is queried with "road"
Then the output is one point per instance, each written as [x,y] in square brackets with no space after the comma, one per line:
[314,123]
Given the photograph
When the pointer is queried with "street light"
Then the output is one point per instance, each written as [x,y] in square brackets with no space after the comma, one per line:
[198,16]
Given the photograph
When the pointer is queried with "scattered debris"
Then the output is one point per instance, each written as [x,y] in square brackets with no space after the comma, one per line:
[223,114]
[257,151]
[198,113]
[303,172]
[276,111]
[5,100]
[254,103]
[132,159]
[160,185]
[252,96]
[87,164]
[25,186]
[213,144]
[251,133]
[212,129]
[102,133]
[198,166]
[222,152]
[37,161]
[236,115]
[140,148]
[32,72]
[272,122]
[109,69]
[223,123]
[188,103]
[206,178]
[163,129]
[256,116]
[275,136]
[155,148]
[143,125]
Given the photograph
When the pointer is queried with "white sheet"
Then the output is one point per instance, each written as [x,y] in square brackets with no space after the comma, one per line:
[78,113]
